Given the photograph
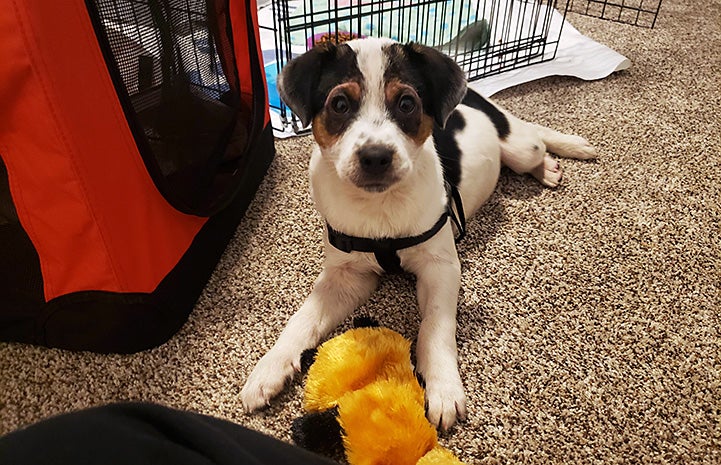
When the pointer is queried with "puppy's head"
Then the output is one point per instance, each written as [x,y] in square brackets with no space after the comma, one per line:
[373,103]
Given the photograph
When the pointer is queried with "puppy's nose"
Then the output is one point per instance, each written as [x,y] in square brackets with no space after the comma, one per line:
[375,158]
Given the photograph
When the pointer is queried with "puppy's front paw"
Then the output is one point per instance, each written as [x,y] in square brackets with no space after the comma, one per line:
[266,380]
[446,402]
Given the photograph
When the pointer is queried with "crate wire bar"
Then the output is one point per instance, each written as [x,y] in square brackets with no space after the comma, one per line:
[642,13]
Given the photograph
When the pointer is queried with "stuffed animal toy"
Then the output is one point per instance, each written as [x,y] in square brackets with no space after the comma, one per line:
[363,399]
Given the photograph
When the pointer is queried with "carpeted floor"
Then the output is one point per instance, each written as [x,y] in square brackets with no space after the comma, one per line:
[589,314]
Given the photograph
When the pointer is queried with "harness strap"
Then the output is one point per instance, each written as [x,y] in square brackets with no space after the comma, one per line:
[389,261]
[385,249]
[458,216]
[346,243]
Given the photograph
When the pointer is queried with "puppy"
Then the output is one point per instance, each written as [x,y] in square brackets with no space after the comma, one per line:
[404,151]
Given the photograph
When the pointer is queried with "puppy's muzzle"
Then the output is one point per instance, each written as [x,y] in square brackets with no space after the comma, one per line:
[375,167]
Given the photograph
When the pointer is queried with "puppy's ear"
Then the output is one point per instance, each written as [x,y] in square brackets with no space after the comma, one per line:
[443,80]
[299,83]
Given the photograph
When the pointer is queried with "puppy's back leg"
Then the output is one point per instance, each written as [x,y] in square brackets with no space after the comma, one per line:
[565,145]
[524,151]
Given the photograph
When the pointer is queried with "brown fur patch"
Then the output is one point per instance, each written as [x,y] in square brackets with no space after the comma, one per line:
[393,88]
[417,125]
[352,89]
[320,132]
[425,129]
[328,125]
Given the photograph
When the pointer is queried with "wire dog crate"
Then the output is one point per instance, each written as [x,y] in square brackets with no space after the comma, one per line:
[642,13]
[485,37]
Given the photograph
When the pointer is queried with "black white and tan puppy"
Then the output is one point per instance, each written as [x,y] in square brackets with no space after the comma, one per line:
[396,130]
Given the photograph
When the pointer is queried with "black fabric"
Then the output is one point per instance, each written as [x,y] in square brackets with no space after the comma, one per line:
[346,243]
[21,281]
[455,211]
[389,261]
[169,61]
[307,357]
[140,434]
[365,321]
[108,322]
[8,214]
[385,249]
[319,432]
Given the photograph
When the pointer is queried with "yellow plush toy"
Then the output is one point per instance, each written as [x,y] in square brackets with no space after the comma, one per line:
[364,400]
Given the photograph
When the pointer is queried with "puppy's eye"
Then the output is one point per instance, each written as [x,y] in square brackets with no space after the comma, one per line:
[407,104]
[340,104]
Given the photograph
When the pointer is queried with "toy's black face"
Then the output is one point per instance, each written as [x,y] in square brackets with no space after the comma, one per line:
[373,103]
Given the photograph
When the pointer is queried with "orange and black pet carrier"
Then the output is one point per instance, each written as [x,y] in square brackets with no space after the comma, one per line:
[133,135]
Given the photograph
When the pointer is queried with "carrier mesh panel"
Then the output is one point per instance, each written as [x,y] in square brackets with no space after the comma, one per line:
[181,99]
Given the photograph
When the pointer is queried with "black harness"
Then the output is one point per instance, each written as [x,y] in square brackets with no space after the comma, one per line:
[385,250]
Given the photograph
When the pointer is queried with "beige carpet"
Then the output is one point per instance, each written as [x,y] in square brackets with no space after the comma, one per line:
[589,314]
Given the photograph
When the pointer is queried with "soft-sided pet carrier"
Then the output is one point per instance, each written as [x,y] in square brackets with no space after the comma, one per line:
[133,135]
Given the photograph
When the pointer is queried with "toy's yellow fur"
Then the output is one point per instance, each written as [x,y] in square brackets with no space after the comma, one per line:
[353,360]
[367,374]
[385,423]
